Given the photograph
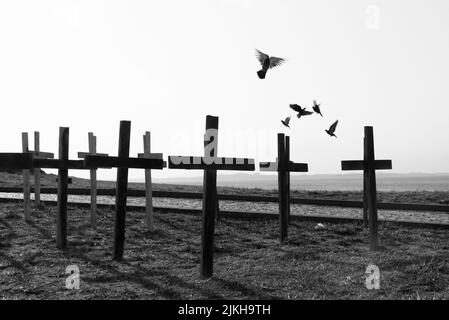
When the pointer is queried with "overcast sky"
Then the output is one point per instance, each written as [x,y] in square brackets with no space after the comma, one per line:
[165,65]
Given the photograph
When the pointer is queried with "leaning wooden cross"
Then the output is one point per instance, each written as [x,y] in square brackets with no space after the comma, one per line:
[123,162]
[210,163]
[369,166]
[92,139]
[283,166]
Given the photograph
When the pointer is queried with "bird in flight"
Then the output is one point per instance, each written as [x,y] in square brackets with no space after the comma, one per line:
[301,111]
[267,62]
[316,108]
[332,129]
[286,122]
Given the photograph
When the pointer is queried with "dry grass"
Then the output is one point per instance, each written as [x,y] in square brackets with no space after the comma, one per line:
[249,262]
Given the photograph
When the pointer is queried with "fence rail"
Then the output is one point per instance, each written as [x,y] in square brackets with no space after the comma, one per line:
[251,214]
[243,198]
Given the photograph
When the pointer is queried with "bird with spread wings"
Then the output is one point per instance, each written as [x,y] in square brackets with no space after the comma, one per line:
[301,111]
[267,62]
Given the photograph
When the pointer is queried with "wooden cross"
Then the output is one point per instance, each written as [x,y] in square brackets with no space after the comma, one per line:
[283,166]
[123,162]
[210,163]
[148,186]
[369,166]
[37,154]
[63,164]
[92,139]
[26,180]
[26,174]
[22,161]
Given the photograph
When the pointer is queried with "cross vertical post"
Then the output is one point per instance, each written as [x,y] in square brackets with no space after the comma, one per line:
[148,185]
[210,163]
[63,174]
[209,201]
[92,140]
[26,180]
[369,166]
[38,154]
[37,173]
[282,188]
[213,153]
[283,166]
[121,191]
[371,185]
[365,187]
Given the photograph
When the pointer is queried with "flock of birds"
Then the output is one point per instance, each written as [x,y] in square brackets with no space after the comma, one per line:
[268,62]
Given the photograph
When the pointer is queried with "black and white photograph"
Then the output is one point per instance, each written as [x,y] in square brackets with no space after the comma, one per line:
[225,157]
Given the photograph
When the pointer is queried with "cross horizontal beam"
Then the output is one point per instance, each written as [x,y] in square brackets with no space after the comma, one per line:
[151,156]
[361,165]
[158,156]
[117,162]
[291,167]
[16,160]
[210,163]
[63,164]
[82,155]
[42,154]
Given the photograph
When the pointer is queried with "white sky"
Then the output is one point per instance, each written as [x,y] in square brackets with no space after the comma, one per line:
[165,65]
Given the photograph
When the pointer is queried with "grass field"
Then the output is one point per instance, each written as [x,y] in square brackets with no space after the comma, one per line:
[249,261]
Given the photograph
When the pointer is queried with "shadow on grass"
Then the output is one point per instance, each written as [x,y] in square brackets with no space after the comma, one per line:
[140,276]
[243,290]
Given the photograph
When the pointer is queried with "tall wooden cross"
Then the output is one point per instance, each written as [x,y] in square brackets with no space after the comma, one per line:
[148,185]
[63,164]
[123,162]
[283,166]
[210,163]
[92,140]
[369,166]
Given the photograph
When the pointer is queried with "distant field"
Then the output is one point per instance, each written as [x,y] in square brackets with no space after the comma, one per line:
[398,196]
[342,182]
